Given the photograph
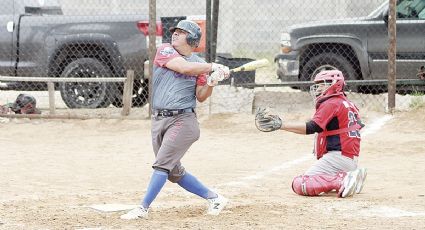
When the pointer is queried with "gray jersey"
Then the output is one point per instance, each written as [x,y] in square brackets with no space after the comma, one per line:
[172,90]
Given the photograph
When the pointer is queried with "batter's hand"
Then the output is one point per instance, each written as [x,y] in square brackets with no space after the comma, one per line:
[267,122]
[215,77]
[226,71]
[211,81]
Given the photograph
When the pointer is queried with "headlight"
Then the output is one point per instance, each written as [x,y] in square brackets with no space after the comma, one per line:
[285,43]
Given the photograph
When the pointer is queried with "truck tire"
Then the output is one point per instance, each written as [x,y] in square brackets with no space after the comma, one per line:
[140,94]
[86,95]
[328,61]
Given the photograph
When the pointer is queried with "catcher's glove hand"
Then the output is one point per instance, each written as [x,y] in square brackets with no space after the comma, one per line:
[266,122]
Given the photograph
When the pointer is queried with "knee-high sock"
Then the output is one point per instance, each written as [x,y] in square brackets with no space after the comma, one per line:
[193,185]
[158,180]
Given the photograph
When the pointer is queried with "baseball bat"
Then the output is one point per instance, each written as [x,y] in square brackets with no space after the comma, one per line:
[253,65]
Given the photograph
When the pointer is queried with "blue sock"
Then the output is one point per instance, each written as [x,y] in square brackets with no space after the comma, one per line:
[158,180]
[193,185]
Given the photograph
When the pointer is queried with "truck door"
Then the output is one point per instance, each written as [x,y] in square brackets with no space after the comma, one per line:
[6,38]
[410,41]
[410,38]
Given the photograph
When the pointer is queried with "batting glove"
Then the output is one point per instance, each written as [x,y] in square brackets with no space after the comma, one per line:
[211,81]
[215,77]
[215,67]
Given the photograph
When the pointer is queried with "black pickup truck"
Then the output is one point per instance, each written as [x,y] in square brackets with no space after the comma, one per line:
[356,46]
[39,41]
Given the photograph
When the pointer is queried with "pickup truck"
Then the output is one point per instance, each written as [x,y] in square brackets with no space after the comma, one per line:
[39,41]
[358,46]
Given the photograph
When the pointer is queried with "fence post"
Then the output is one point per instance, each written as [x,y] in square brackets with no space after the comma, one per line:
[128,93]
[208,31]
[152,47]
[392,49]
[51,88]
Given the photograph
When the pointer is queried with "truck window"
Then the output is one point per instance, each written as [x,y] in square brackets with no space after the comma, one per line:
[6,7]
[411,9]
[422,14]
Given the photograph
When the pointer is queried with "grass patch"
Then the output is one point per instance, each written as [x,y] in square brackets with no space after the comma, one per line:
[418,100]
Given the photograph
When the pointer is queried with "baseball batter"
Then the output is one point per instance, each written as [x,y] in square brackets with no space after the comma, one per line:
[336,123]
[179,79]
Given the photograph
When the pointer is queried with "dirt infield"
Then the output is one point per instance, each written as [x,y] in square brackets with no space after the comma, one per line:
[52,171]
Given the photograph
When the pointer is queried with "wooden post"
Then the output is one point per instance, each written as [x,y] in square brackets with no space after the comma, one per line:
[392,49]
[128,93]
[51,88]
[152,47]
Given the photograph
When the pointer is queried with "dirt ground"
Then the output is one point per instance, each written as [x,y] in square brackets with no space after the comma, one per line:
[52,171]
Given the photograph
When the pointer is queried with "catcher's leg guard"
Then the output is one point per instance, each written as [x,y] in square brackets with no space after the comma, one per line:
[317,184]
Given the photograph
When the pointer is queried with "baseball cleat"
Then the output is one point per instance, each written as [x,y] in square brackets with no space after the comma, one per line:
[136,213]
[349,183]
[215,205]
[360,184]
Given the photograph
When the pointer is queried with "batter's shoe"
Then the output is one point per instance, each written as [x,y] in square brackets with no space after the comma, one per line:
[360,184]
[136,213]
[349,183]
[215,205]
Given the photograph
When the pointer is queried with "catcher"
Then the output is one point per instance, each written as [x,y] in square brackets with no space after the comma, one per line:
[336,123]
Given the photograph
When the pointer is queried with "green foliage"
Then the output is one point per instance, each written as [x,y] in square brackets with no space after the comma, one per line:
[418,100]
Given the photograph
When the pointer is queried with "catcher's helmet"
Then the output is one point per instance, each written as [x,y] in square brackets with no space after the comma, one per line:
[25,104]
[192,28]
[327,83]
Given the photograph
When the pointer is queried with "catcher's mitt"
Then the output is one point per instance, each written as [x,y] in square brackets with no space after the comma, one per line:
[266,122]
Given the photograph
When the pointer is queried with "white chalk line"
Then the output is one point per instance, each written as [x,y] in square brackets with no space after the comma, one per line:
[244,181]
[376,125]
[367,209]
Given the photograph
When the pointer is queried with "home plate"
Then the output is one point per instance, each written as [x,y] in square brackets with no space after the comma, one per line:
[112,207]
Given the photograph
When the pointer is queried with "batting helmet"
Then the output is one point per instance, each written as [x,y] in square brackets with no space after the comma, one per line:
[25,104]
[192,28]
[327,83]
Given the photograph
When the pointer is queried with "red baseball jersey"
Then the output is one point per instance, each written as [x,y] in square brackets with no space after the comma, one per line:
[338,113]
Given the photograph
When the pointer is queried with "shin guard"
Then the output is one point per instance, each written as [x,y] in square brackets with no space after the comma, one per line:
[317,184]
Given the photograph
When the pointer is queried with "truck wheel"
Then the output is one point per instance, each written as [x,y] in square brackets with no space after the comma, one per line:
[85,95]
[140,94]
[328,61]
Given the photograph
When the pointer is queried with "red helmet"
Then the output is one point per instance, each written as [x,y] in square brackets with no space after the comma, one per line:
[327,83]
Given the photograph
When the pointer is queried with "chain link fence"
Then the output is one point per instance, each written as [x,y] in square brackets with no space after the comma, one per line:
[104,39]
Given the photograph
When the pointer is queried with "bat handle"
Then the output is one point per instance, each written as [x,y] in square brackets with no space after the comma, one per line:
[237,69]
